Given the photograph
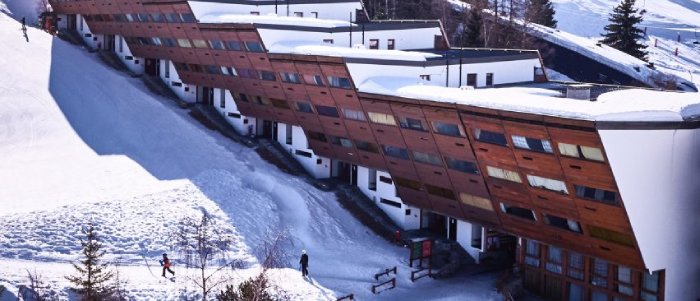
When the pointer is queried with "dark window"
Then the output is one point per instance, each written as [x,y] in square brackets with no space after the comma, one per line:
[168,42]
[299,14]
[143,17]
[318,80]
[255,13]
[489,79]
[410,184]
[537,145]
[234,45]
[471,79]
[267,75]
[120,18]
[490,137]
[253,46]
[385,180]
[426,158]
[391,44]
[396,152]
[412,124]
[562,223]
[461,165]
[519,212]
[575,265]
[303,153]
[248,73]
[339,82]
[158,18]
[316,136]
[243,97]
[173,18]
[439,191]
[366,146]
[279,103]
[448,129]
[213,69]
[293,78]
[596,194]
[304,107]
[234,115]
[328,41]
[314,14]
[262,100]
[354,114]
[344,142]
[390,203]
[327,111]
[425,77]
[176,84]
[610,235]
[188,18]
[374,44]
[216,44]
[196,68]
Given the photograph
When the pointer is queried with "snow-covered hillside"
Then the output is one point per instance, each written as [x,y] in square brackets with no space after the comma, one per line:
[82,143]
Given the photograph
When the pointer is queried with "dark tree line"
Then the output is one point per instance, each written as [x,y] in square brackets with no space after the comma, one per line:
[622,33]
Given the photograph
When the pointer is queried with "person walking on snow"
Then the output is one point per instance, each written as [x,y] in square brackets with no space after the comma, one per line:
[304,261]
[166,264]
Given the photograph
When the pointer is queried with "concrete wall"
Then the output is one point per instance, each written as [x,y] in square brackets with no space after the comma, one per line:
[465,231]
[135,64]
[388,192]
[318,167]
[170,77]
[243,125]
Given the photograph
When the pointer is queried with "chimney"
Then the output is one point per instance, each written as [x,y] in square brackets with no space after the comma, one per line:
[579,91]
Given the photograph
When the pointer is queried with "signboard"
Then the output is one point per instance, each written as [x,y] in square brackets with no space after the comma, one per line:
[427,248]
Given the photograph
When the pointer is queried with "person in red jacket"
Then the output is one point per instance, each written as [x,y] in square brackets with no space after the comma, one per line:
[166,264]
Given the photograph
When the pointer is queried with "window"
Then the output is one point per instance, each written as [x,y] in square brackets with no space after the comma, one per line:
[624,281]
[440,191]
[381,118]
[121,45]
[366,146]
[542,146]
[427,158]
[234,115]
[412,124]
[253,46]
[391,44]
[288,134]
[267,75]
[262,100]
[166,67]
[213,69]
[519,212]
[390,203]
[318,81]
[243,97]
[546,183]
[120,18]
[304,107]
[314,14]
[599,296]
[372,179]
[583,152]
[425,77]
[596,194]
[188,18]
[599,275]
[255,13]
[248,73]
[386,180]
[303,153]
[373,43]
[353,114]
[316,136]
[553,260]
[490,137]
[293,78]
[129,17]
[156,41]
[448,129]
[610,235]
[196,68]
[230,71]
[650,286]
[461,165]
[396,152]
[344,142]
[406,183]
[327,111]
[184,43]
[171,18]
[216,44]
[327,41]
[234,45]
[575,265]
[222,99]
[281,104]
[168,42]
[532,253]
[562,223]
[143,17]
[503,174]
[299,14]
[339,82]
[489,79]
[471,79]
[157,17]
[475,201]
[575,292]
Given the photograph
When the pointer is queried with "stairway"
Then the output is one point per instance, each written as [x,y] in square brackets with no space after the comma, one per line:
[157,86]
[212,119]
[73,37]
[365,210]
[111,59]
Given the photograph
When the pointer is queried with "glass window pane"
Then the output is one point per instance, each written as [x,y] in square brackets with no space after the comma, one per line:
[476,201]
[650,282]
[575,292]
[381,118]
[490,137]
[570,150]
[592,153]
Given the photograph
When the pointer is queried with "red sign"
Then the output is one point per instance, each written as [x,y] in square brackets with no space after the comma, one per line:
[427,248]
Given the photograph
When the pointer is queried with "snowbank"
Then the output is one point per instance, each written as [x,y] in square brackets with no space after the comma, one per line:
[313,48]
[273,20]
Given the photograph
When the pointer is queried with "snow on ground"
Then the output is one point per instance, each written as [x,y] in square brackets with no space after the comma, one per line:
[82,143]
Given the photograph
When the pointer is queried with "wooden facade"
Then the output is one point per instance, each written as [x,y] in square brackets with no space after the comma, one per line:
[456,160]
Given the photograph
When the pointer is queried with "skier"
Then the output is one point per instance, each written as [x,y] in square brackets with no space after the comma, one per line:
[166,264]
[304,261]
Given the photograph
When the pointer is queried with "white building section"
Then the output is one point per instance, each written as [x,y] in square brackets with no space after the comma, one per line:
[169,76]
[334,10]
[379,186]
[656,173]
[293,139]
[135,64]
[226,106]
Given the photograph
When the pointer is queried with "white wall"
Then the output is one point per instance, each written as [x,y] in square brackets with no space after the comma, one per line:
[657,173]
[184,91]
[418,38]
[300,142]
[95,41]
[334,11]
[123,52]
[464,238]
[244,125]
[388,192]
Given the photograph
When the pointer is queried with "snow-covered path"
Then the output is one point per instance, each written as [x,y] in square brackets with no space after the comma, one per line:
[83,143]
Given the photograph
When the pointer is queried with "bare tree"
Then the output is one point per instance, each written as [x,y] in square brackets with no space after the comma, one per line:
[39,290]
[204,245]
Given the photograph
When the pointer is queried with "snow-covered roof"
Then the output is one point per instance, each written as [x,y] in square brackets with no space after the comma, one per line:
[621,105]
[314,48]
[273,20]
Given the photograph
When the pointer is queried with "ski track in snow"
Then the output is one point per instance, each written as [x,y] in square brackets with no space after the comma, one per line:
[82,143]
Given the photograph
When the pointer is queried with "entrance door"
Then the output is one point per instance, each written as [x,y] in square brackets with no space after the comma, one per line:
[267,129]
[452,233]
[109,42]
[71,22]
[437,224]
[353,175]
[151,67]
[553,287]
[274,130]
[345,172]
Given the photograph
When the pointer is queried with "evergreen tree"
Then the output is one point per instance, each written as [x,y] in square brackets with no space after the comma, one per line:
[91,280]
[472,30]
[622,32]
[541,12]
[253,289]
